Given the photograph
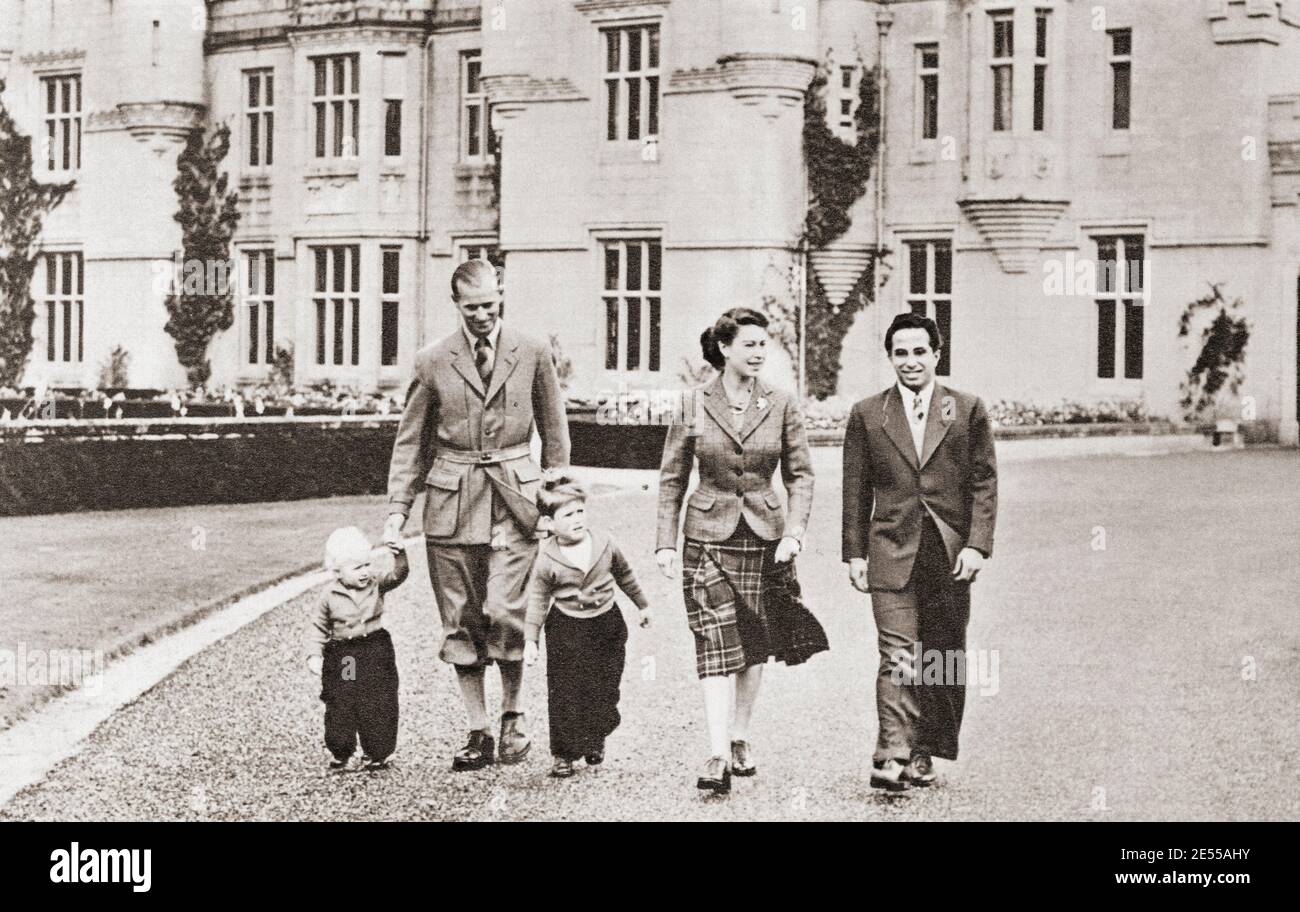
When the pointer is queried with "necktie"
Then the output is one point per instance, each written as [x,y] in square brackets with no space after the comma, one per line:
[482,358]
[917,413]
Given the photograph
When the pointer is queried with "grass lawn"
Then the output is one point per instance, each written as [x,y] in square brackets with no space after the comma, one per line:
[110,580]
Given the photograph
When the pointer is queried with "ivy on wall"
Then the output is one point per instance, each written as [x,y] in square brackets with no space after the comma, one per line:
[207,215]
[24,203]
[1219,366]
[838,172]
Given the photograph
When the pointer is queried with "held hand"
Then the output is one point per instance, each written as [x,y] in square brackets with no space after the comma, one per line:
[858,573]
[647,617]
[530,653]
[969,563]
[393,528]
[314,663]
[667,559]
[787,549]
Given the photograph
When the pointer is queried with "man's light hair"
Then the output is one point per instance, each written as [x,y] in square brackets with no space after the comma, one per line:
[474,274]
[344,544]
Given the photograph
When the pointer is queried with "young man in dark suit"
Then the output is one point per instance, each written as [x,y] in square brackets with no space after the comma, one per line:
[920,501]
[465,440]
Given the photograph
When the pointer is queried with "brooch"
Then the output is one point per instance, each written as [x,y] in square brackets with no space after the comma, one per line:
[761,403]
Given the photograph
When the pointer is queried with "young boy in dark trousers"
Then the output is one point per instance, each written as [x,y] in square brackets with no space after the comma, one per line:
[353,653]
[586,637]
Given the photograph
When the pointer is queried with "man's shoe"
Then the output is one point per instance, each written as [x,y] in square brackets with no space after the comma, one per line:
[514,743]
[476,754]
[716,777]
[562,768]
[888,775]
[741,762]
[595,758]
[919,770]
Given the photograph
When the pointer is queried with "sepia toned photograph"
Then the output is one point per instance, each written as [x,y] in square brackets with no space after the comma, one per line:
[876,411]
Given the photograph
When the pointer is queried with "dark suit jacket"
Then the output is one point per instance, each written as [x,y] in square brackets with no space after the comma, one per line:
[736,468]
[449,409]
[888,491]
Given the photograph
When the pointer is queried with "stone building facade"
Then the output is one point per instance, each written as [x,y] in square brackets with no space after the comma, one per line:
[1058,180]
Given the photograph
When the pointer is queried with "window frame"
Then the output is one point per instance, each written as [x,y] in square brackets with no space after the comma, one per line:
[64,315]
[997,64]
[63,123]
[930,301]
[475,102]
[1041,117]
[927,81]
[1118,63]
[257,318]
[1115,292]
[392,92]
[336,115]
[259,118]
[337,311]
[390,301]
[617,303]
[648,78]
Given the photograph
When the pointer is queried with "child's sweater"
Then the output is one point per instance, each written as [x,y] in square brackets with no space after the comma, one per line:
[578,594]
[344,613]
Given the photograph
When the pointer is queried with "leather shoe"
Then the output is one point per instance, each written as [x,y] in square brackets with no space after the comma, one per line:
[562,768]
[514,743]
[919,770]
[595,758]
[716,777]
[741,764]
[887,775]
[476,754]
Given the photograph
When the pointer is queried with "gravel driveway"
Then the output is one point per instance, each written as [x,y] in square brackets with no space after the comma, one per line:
[1155,679]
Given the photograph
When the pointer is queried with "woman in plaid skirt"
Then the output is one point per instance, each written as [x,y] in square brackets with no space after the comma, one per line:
[740,544]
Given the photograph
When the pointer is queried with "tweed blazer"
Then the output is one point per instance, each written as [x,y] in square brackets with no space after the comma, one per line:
[888,490]
[736,468]
[449,409]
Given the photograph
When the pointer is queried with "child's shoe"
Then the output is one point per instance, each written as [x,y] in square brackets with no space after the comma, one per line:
[596,757]
[562,768]
[339,766]
[370,765]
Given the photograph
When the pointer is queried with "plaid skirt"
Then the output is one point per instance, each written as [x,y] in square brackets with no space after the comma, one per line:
[723,584]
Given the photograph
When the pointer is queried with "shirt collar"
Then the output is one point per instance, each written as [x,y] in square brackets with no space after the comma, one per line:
[926,393]
[492,337]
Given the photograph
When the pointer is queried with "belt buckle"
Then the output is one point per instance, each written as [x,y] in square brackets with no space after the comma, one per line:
[484,458]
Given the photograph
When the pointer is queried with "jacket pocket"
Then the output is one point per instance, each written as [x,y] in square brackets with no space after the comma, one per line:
[441,503]
[772,499]
[701,500]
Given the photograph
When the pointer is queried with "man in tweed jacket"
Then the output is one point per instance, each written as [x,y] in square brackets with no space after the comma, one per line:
[465,440]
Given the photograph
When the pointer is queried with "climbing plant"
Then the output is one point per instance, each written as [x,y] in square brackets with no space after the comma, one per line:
[838,172]
[1219,365]
[207,215]
[24,204]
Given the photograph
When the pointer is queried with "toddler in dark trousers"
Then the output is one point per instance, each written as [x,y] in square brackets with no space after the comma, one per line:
[352,651]
[586,637]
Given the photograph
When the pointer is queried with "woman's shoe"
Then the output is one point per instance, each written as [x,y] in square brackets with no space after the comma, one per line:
[562,768]
[741,763]
[717,776]
[595,758]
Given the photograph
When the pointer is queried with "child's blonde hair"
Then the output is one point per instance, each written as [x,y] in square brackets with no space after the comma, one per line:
[344,543]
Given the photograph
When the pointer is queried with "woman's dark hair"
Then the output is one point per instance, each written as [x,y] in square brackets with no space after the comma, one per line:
[913,321]
[724,332]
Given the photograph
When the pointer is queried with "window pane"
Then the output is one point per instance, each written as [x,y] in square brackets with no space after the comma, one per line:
[917,307]
[81,272]
[338,330]
[339,76]
[655,256]
[392,261]
[356,331]
[1040,37]
[652,51]
[252,333]
[270,332]
[67,330]
[654,334]
[51,270]
[633,333]
[355,148]
[338,268]
[1002,98]
[1121,42]
[1120,110]
[612,52]
[51,107]
[392,127]
[1106,265]
[320,268]
[652,118]
[473,134]
[634,49]
[611,267]
[1040,97]
[1133,336]
[634,109]
[1106,339]
[268,260]
[320,331]
[473,71]
[916,270]
[320,77]
[611,333]
[254,137]
[65,274]
[1134,264]
[320,129]
[930,58]
[81,331]
[254,284]
[268,83]
[633,282]
[929,107]
[254,90]
[49,330]
[1003,44]
[388,337]
[943,317]
[611,109]
[943,267]
[356,268]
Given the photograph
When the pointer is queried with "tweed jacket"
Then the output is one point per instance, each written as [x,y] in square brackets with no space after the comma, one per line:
[450,413]
[888,491]
[736,468]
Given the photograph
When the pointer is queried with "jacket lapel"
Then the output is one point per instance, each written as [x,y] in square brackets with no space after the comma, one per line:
[463,361]
[936,423]
[507,343]
[760,406]
[715,403]
[895,426]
